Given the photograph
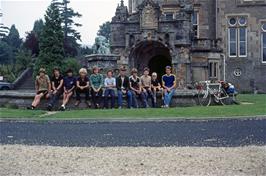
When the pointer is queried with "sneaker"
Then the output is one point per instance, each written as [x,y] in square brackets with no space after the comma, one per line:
[31,108]
[49,107]
[97,106]
[62,108]
[88,104]
[77,103]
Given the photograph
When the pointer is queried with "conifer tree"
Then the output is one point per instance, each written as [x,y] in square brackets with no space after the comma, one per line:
[51,41]
[71,35]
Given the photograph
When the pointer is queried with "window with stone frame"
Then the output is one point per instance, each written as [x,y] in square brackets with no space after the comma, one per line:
[263,42]
[237,36]
[213,69]
[195,22]
[169,16]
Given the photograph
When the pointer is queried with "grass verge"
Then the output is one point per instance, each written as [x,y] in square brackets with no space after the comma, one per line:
[251,105]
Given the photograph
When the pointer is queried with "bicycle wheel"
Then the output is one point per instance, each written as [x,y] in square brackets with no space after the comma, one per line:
[204,97]
[224,98]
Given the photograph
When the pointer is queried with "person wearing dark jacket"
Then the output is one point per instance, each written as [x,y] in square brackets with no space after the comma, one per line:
[57,82]
[82,87]
[123,88]
[69,87]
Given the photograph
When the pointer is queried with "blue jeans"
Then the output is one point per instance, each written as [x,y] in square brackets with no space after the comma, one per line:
[54,98]
[120,98]
[149,94]
[142,98]
[109,93]
[168,97]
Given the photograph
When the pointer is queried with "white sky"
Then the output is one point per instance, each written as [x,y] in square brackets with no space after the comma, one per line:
[23,13]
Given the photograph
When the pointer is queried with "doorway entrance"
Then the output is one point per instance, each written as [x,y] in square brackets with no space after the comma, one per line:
[152,54]
[157,64]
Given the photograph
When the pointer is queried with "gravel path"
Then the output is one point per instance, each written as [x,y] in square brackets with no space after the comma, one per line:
[44,160]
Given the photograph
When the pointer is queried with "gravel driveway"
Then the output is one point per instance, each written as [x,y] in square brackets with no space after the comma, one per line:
[44,160]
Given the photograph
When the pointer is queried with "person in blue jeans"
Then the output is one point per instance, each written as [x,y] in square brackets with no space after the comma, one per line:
[110,85]
[57,82]
[169,86]
[122,86]
[136,88]
[82,87]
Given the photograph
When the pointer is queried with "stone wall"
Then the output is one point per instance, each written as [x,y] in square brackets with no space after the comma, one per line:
[182,98]
[251,67]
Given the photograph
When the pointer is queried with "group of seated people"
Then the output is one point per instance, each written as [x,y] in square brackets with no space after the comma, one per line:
[101,89]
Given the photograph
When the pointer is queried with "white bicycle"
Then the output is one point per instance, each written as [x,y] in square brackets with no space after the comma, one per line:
[208,91]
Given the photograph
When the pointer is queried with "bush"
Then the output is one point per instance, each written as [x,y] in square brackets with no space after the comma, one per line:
[8,72]
[66,64]
[12,71]
[71,63]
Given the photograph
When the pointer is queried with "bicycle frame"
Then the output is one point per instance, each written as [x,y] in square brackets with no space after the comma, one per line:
[219,94]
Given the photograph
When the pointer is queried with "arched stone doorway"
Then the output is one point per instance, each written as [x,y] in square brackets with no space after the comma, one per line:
[152,54]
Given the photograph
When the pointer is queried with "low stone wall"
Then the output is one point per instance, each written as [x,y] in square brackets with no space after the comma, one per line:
[23,99]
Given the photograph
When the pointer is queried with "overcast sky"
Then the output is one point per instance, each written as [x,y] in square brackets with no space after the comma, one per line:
[23,13]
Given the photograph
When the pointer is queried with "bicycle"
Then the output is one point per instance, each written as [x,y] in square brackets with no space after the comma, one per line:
[207,91]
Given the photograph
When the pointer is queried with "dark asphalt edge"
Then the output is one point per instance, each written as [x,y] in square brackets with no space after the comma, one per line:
[129,120]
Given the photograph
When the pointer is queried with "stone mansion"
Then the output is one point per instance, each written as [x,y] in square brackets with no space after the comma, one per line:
[201,39]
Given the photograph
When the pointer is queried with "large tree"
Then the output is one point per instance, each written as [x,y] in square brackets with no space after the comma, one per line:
[38,27]
[105,30]
[11,43]
[32,43]
[5,53]
[13,39]
[71,35]
[51,40]
[33,38]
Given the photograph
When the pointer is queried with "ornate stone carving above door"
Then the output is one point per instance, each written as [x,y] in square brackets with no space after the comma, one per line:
[149,18]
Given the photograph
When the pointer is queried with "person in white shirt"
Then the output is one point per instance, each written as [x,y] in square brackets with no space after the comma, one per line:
[110,85]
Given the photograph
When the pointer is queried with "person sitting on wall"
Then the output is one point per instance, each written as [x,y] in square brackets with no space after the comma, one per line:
[43,88]
[69,86]
[82,86]
[110,85]
[96,80]
[156,87]
[146,85]
[169,86]
[136,88]
[123,88]
[57,82]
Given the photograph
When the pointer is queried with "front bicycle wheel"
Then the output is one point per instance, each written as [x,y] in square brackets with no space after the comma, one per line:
[224,98]
[204,97]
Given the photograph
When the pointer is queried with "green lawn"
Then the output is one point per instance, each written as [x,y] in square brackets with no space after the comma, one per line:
[251,105]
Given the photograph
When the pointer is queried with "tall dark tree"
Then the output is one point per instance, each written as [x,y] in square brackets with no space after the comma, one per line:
[38,27]
[105,30]
[14,42]
[5,53]
[51,41]
[71,35]
[32,43]
[33,38]
[13,39]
